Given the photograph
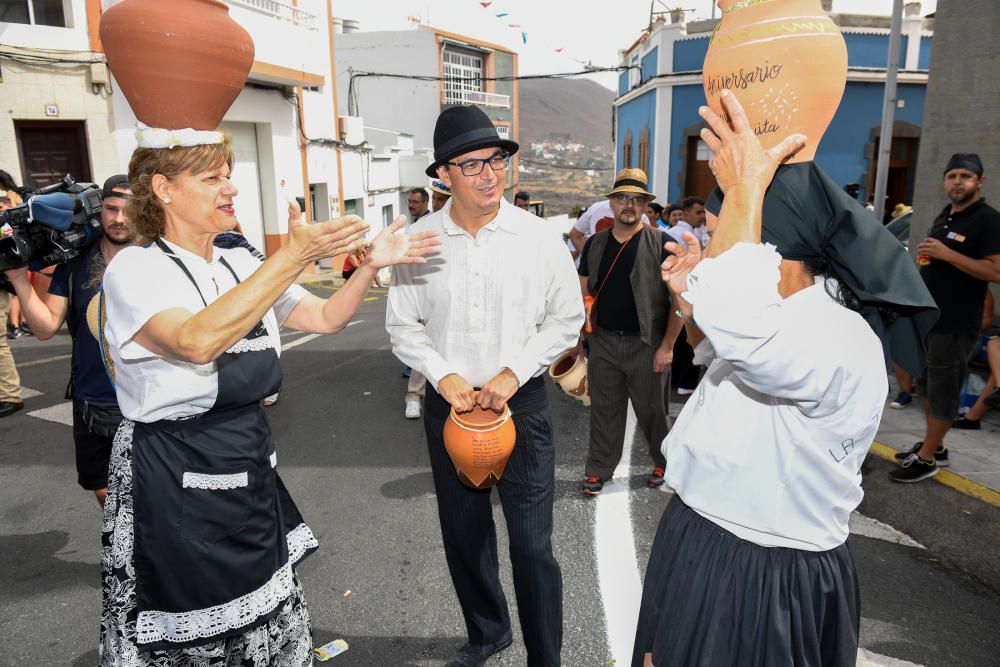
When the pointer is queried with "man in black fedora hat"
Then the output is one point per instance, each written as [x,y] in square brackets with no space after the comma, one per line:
[482,321]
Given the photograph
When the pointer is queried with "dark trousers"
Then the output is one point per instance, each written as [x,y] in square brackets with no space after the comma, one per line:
[685,373]
[620,368]
[527,491]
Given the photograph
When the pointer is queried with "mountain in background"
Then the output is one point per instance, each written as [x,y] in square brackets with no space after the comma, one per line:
[553,108]
[567,156]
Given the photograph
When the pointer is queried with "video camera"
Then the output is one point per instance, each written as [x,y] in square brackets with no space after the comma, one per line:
[53,224]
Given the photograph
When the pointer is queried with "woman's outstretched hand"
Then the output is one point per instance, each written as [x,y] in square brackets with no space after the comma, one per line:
[309,243]
[677,267]
[740,161]
[390,247]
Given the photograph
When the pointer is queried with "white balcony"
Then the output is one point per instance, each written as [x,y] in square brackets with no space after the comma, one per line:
[477,97]
[281,11]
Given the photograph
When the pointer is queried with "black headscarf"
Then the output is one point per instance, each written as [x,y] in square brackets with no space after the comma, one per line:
[808,217]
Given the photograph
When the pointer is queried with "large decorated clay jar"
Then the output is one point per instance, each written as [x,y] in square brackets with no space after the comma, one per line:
[479,443]
[569,371]
[180,63]
[785,61]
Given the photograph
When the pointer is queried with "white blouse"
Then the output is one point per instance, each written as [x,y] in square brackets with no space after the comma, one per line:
[508,298]
[770,445]
[141,282]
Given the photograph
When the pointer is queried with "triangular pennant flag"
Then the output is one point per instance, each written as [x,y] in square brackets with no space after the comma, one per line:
[559,50]
[486,4]
[524,36]
[502,14]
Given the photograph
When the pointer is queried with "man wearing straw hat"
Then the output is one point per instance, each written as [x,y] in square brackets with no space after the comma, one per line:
[482,322]
[632,332]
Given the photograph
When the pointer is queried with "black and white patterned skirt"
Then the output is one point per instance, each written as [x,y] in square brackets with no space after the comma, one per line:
[283,641]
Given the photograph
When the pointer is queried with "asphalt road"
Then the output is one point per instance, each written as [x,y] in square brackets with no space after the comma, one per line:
[360,474]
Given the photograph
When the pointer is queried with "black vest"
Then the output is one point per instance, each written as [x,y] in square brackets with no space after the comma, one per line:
[652,298]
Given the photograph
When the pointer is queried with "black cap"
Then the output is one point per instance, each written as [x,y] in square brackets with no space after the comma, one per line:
[463,129]
[968,161]
[117,181]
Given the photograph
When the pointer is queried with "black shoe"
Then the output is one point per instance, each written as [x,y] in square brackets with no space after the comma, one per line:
[475,655]
[15,333]
[993,400]
[966,424]
[407,372]
[940,456]
[8,408]
[25,329]
[593,485]
[914,469]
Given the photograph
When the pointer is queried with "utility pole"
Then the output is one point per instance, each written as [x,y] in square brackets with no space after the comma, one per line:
[888,111]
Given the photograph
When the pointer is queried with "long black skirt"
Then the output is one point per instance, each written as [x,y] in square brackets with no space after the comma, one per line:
[712,599]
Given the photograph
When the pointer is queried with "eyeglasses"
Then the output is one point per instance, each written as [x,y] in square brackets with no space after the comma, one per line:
[638,200]
[475,166]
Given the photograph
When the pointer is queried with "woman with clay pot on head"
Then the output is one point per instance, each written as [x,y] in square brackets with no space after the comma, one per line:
[200,535]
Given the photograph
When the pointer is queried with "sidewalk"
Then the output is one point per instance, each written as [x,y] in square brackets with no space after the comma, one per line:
[974,455]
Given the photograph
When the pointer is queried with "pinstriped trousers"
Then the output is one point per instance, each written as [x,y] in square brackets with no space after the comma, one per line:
[620,368]
[527,493]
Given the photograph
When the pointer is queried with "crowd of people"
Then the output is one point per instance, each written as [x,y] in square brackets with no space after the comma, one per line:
[174,321]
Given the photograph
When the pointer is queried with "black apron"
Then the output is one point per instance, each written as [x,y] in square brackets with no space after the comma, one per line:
[215,528]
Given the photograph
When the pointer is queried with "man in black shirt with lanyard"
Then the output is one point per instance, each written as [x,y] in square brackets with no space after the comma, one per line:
[958,260]
[633,332]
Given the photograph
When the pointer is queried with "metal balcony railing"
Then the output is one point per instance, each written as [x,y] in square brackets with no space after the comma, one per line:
[477,97]
[280,11]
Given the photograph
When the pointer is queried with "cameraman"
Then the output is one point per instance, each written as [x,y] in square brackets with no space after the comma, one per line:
[75,285]
[10,381]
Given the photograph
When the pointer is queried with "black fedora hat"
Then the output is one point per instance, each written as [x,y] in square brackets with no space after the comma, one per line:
[462,129]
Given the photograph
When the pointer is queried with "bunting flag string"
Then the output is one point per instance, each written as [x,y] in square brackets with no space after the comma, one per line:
[515,26]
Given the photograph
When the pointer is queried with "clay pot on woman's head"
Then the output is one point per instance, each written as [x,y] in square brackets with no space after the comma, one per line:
[479,443]
[569,371]
[785,61]
[180,63]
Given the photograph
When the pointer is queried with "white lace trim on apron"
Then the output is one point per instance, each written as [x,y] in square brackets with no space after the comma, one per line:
[178,627]
[201,480]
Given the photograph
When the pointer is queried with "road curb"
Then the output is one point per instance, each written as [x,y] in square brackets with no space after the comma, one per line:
[946,477]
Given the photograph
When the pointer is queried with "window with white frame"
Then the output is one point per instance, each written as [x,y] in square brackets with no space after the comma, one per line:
[503,131]
[387,215]
[634,73]
[463,72]
[703,153]
[34,12]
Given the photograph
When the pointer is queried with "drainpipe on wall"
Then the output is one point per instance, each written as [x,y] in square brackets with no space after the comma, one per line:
[336,109]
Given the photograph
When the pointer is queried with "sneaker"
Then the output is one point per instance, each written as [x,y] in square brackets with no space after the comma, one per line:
[412,409]
[407,372]
[914,469]
[940,456]
[965,424]
[25,329]
[902,399]
[655,479]
[15,333]
[993,400]
[270,400]
[682,391]
[593,485]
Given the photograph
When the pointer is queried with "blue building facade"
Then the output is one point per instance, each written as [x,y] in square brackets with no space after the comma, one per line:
[657,122]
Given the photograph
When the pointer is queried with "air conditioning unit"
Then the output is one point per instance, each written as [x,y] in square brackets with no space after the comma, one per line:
[351,129]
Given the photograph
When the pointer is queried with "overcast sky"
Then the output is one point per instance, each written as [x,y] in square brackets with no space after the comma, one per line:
[582,33]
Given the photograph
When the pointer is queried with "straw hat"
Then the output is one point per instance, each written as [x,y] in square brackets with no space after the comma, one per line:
[633,181]
[440,188]
[900,210]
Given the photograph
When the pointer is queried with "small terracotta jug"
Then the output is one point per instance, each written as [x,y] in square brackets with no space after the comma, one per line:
[479,443]
[785,61]
[180,63]
[569,371]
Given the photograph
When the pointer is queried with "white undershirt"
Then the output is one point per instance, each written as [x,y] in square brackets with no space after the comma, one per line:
[508,298]
[771,443]
[143,281]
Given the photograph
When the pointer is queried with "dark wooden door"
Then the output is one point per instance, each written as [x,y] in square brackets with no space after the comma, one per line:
[698,178]
[50,150]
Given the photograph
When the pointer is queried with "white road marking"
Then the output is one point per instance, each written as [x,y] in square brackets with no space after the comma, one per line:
[46,360]
[306,339]
[869,527]
[61,413]
[617,566]
[868,659]
[27,393]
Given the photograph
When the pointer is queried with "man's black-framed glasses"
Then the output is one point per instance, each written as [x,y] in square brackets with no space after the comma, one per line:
[638,200]
[475,166]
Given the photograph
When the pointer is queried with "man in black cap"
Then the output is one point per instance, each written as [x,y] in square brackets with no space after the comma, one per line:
[958,259]
[482,321]
[75,285]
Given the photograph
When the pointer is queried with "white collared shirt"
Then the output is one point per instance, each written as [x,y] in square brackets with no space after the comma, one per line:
[508,298]
[771,443]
